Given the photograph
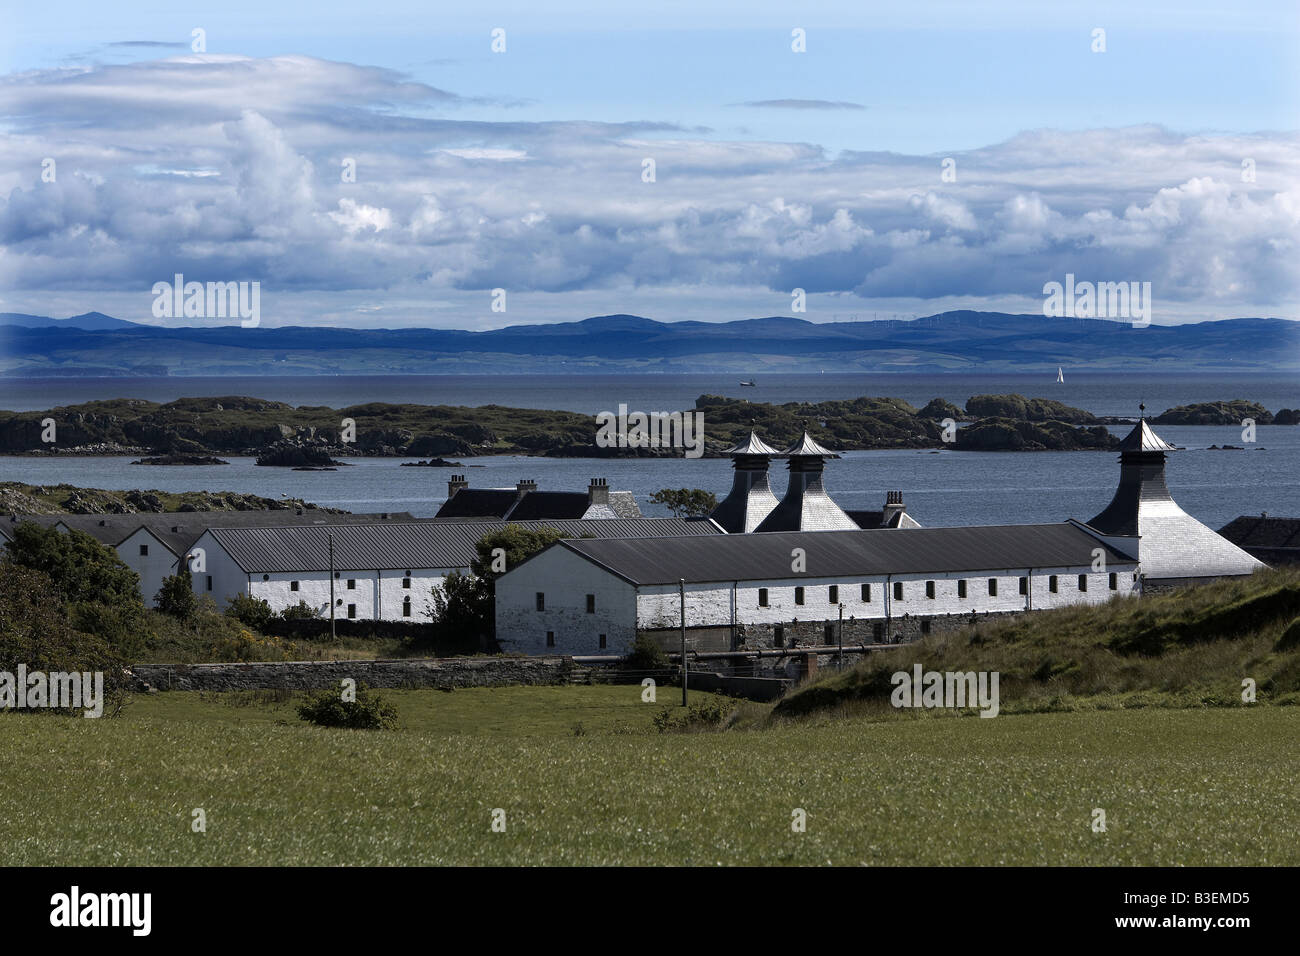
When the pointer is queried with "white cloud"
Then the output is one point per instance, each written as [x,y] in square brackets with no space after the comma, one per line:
[228,167]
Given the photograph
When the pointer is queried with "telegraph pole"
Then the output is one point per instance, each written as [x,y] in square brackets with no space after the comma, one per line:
[681,588]
[841,636]
[333,636]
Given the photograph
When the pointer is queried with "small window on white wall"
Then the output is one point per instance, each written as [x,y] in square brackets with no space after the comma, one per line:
[293,585]
[406,607]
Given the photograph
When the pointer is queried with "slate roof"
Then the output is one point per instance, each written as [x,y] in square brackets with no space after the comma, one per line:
[419,544]
[507,503]
[806,505]
[766,557]
[750,499]
[479,503]
[1261,531]
[1272,540]
[1171,544]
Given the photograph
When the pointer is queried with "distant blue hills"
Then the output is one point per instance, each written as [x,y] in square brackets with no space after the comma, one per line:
[95,344]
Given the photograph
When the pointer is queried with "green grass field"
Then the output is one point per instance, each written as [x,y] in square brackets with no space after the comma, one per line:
[1196,786]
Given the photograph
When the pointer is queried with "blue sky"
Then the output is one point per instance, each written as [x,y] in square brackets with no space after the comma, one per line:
[774,169]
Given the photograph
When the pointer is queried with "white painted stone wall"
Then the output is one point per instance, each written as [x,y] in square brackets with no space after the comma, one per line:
[621,609]
[377,595]
[565,579]
[159,563]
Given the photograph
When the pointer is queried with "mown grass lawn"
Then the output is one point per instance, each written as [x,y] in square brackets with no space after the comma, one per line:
[1211,786]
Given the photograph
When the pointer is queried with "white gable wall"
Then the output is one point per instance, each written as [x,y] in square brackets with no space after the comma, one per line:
[565,580]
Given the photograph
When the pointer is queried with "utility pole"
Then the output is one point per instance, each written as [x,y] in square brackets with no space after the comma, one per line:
[333,636]
[841,636]
[681,588]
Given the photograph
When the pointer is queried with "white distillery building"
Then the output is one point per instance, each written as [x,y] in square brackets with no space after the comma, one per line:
[779,589]
[152,544]
[376,571]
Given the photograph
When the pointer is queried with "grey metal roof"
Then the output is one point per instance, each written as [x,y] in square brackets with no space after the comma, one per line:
[1142,438]
[422,544]
[806,447]
[178,530]
[767,557]
[753,445]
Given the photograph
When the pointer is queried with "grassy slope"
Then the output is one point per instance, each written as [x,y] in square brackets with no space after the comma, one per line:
[1191,648]
[1178,787]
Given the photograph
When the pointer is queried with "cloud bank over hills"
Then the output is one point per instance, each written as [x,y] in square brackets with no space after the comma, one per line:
[226,167]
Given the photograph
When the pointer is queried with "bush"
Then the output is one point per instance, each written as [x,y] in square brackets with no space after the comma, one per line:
[646,655]
[176,597]
[250,611]
[708,714]
[35,632]
[368,712]
[298,612]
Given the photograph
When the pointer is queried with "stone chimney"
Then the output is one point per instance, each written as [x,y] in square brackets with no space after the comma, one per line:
[894,509]
[456,484]
[598,492]
[525,485]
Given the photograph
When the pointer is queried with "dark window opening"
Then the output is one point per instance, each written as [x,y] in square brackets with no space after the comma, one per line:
[591,604]
[778,635]
[798,595]
[144,550]
[352,610]
[1083,582]
[1114,581]
[541,601]
[925,627]
[406,582]
[929,590]
[866,593]
[898,590]
[834,593]
[1051,584]
[877,631]
[762,597]
[961,588]
[828,633]
[550,638]
[602,642]
[293,585]
[406,608]
[209,582]
[993,587]
[352,584]
[1024,585]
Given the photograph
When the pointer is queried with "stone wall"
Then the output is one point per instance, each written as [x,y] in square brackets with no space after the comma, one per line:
[317,675]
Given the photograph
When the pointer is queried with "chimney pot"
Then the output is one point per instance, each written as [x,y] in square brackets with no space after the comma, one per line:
[456,484]
[598,492]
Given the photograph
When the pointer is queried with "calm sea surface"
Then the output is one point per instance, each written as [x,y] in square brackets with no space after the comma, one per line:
[1102,393]
[940,488]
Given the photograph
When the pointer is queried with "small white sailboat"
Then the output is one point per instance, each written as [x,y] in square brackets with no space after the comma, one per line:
[1060,376]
